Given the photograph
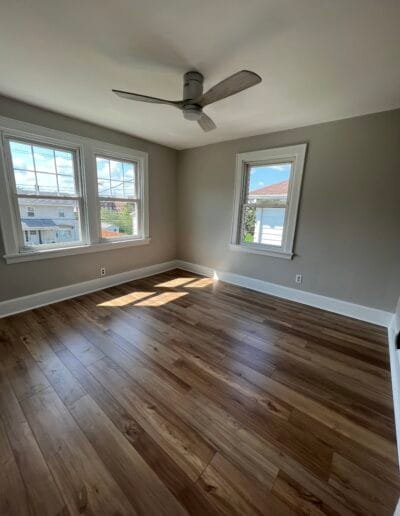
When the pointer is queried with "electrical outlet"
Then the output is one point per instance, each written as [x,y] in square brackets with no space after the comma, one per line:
[102,271]
[299,278]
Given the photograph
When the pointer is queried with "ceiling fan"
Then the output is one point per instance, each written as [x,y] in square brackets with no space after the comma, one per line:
[194,99]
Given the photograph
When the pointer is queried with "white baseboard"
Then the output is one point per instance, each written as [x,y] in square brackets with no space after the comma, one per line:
[395,376]
[363,313]
[46,297]
[21,304]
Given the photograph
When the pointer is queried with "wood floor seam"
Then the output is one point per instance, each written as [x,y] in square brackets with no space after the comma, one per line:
[182,395]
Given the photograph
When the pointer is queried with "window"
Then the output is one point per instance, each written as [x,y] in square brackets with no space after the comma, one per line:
[118,197]
[44,177]
[267,193]
[61,194]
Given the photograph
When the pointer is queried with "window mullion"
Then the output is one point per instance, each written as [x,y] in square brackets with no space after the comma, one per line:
[56,169]
[89,194]
[34,170]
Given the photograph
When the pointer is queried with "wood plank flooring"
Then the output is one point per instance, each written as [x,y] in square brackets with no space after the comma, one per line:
[177,395]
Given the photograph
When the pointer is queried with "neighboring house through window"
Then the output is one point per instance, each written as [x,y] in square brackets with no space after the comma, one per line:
[45,177]
[267,193]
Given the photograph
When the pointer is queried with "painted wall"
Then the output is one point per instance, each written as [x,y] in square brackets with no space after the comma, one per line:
[348,235]
[30,277]
[347,242]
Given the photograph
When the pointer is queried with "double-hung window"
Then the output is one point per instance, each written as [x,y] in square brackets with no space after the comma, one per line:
[119,197]
[63,194]
[267,193]
[45,179]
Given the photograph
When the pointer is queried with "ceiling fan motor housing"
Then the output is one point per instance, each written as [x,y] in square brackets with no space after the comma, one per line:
[192,89]
[192,112]
[192,85]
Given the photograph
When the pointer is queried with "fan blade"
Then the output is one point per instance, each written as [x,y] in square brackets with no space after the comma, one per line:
[230,86]
[206,123]
[145,98]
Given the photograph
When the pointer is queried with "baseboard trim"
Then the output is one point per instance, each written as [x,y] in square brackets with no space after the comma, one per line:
[363,313]
[22,304]
[395,377]
[47,297]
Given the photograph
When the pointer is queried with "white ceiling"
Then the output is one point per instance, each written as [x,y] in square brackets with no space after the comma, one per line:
[319,59]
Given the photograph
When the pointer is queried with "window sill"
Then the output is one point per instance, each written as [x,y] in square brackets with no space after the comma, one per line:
[260,250]
[68,251]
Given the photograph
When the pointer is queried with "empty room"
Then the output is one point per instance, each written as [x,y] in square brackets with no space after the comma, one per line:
[199,257]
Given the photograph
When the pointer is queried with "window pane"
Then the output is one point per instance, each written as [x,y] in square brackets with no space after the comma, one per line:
[118,219]
[47,183]
[44,159]
[116,170]
[47,225]
[129,171]
[25,181]
[117,189]
[66,185]
[21,154]
[121,175]
[104,188]
[129,189]
[265,227]
[64,162]
[267,189]
[268,182]
[103,168]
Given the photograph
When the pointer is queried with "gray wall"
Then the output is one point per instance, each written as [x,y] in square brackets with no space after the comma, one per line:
[30,277]
[348,233]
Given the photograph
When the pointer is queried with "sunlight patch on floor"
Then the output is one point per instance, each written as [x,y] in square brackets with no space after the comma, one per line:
[128,299]
[161,299]
[201,283]
[176,282]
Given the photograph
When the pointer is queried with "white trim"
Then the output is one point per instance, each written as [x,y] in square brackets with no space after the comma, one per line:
[85,149]
[364,313]
[294,154]
[78,249]
[142,180]
[22,304]
[395,376]
[258,249]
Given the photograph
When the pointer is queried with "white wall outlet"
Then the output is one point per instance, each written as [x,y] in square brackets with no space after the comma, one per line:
[299,278]
[102,271]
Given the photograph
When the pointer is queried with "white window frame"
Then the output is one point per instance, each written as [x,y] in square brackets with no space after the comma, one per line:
[85,150]
[140,188]
[294,154]
[78,197]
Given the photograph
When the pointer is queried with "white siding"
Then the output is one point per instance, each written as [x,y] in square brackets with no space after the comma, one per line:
[269,226]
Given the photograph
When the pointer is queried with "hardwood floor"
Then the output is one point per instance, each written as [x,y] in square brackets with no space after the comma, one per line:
[177,395]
